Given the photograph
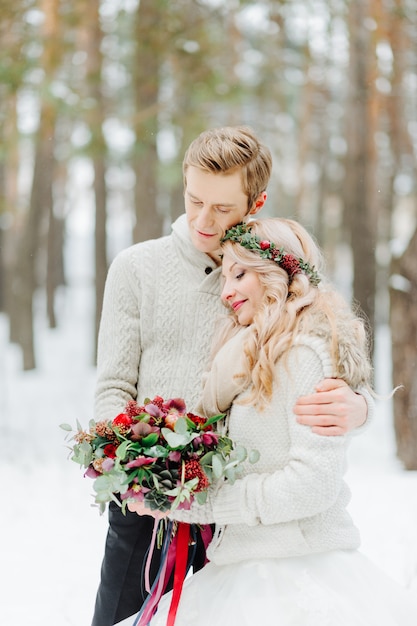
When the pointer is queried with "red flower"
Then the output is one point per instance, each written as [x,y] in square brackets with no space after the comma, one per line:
[264,245]
[110,450]
[193,470]
[290,264]
[123,419]
[198,420]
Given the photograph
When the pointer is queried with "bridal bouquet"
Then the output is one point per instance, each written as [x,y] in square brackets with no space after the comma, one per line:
[157,452]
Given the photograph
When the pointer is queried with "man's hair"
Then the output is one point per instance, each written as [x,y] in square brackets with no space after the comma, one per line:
[228,149]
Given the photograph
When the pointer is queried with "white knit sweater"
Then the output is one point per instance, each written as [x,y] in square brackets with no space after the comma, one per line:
[160,306]
[293,501]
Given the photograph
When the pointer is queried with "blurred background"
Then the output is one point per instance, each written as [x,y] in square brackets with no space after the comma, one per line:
[99,100]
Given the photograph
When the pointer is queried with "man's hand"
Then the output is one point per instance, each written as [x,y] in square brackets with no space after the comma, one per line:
[334,410]
[139,507]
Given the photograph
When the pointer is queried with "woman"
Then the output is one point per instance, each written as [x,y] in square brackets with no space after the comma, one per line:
[285,549]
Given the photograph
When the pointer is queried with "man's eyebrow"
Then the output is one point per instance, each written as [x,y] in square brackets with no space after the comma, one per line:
[226,204]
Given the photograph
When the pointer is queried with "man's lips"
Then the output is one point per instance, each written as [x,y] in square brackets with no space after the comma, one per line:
[205,235]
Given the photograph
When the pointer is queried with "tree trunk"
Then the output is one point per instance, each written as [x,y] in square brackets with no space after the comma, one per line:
[404,352]
[98,151]
[149,41]
[361,165]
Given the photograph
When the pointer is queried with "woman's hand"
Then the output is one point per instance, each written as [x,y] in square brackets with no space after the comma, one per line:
[334,410]
[139,507]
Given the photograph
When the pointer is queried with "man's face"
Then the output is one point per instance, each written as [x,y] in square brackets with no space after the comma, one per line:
[214,203]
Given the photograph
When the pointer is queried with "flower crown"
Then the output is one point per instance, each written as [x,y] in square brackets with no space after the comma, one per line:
[241,233]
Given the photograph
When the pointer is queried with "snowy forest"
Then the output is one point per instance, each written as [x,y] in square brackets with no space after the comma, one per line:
[99,100]
[111,92]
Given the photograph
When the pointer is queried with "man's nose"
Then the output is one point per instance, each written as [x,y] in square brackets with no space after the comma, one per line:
[205,218]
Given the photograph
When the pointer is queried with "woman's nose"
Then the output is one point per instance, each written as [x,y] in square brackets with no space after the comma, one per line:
[227,292]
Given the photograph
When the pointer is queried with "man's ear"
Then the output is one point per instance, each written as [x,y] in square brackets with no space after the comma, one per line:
[258,204]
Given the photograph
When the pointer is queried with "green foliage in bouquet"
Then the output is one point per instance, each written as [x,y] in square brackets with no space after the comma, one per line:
[157,452]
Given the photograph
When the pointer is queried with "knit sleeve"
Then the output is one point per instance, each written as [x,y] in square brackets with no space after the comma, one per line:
[119,347]
[307,484]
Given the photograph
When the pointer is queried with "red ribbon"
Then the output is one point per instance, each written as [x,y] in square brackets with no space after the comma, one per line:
[181,558]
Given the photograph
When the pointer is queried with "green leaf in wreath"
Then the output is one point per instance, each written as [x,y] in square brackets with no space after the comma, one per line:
[66,427]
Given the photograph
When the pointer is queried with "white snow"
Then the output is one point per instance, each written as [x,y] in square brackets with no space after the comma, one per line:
[52,539]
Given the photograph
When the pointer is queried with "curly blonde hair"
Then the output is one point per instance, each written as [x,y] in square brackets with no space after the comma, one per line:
[289,308]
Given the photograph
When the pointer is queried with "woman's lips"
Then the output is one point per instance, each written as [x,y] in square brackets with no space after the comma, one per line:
[238,304]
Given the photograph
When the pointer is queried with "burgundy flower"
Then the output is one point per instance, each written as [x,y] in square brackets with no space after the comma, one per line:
[141,460]
[193,470]
[90,472]
[290,264]
[177,404]
[110,450]
[107,465]
[207,439]
[141,429]
[153,410]
[132,409]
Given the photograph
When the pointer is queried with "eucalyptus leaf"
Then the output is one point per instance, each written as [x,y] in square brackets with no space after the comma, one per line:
[217,466]
[66,427]
[254,456]
[176,440]
[241,453]
[180,426]
[206,459]
[201,497]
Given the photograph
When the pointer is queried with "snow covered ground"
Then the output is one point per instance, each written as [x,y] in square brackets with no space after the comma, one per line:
[52,539]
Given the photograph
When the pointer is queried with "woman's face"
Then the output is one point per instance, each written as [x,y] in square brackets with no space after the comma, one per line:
[242,290]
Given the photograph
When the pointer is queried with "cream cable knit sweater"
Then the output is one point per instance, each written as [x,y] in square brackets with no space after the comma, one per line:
[159,310]
[293,501]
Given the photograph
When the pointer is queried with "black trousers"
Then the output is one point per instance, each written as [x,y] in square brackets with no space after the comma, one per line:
[121,592]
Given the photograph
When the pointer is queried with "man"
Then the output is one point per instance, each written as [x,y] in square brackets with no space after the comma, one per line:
[161,301]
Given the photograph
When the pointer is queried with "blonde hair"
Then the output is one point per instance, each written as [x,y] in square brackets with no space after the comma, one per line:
[228,149]
[292,307]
